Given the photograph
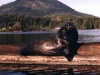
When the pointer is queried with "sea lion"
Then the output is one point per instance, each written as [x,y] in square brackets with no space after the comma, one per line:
[56,45]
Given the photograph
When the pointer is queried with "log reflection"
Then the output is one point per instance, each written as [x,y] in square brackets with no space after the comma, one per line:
[50,69]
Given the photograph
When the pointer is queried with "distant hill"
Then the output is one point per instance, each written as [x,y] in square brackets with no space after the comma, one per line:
[38,8]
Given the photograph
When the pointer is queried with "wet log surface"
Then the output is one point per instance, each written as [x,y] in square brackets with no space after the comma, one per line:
[50,60]
[87,54]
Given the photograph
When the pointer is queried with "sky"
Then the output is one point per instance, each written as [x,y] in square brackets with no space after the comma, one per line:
[85,6]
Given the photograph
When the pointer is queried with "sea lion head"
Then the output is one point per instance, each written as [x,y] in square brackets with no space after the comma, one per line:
[69,26]
[68,34]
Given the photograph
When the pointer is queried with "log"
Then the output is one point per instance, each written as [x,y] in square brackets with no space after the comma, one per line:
[88,49]
[50,60]
[88,54]
[81,49]
[11,49]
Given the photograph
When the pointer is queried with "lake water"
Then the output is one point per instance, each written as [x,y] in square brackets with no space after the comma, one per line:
[85,36]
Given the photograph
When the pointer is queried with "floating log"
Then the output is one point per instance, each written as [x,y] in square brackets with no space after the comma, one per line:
[50,60]
[88,49]
[82,49]
[11,49]
[87,54]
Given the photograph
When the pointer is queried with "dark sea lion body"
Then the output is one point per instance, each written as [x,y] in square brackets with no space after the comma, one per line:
[49,46]
[56,45]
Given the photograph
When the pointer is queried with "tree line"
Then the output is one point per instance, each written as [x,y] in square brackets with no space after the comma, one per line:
[16,22]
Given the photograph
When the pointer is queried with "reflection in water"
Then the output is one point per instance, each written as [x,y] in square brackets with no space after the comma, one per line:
[21,38]
[11,73]
[49,70]
[70,71]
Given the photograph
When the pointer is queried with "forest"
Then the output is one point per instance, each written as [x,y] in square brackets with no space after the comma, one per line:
[16,22]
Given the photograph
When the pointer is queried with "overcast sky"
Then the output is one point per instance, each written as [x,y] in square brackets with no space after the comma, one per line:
[85,6]
[5,1]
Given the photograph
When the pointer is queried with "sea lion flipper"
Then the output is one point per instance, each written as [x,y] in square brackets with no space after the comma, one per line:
[66,49]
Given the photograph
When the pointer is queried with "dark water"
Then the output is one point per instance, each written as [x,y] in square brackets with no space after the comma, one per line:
[85,36]
[61,70]
[23,37]
[26,37]
[50,70]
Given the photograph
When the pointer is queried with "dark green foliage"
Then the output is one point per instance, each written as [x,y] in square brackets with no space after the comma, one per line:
[17,22]
[81,22]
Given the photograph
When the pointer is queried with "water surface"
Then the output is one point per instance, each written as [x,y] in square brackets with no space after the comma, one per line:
[85,36]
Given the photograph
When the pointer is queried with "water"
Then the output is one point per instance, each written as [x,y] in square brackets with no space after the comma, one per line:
[85,36]
[55,70]
[23,37]
[50,70]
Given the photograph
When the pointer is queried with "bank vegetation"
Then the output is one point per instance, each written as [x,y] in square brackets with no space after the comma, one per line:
[16,22]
